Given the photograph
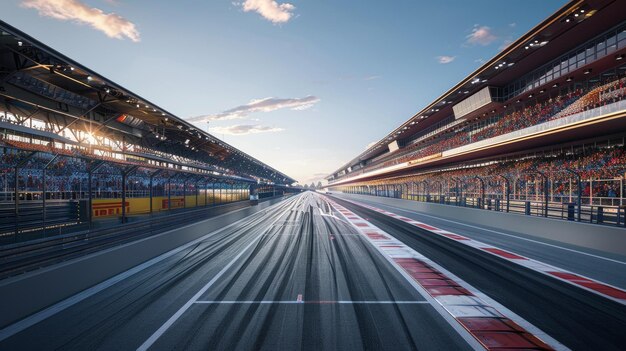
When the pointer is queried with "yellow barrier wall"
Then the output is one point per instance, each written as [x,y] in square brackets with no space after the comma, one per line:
[102,208]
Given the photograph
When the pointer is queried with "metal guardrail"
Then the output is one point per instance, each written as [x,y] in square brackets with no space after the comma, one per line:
[23,257]
[594,214]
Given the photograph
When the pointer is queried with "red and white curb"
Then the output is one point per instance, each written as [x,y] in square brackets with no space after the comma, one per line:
[491,324]
[594,286]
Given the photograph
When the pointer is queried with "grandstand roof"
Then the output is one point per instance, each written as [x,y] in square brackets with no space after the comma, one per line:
[576,22]
[35,79]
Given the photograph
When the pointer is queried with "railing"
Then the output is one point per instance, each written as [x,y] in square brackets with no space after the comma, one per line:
[32,220]
[22,257]
[560,122]
[598,210]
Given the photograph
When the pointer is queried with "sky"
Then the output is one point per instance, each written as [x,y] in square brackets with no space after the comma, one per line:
[305,85]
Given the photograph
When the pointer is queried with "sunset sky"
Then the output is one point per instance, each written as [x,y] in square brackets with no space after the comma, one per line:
[302,85]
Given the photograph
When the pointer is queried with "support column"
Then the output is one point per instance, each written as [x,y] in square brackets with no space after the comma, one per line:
[185,193]
[169,194]
[150,192]
[123,196]
[16,194]
[90,197]
[43,192]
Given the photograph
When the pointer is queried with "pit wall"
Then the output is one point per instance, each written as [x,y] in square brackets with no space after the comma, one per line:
[597,237]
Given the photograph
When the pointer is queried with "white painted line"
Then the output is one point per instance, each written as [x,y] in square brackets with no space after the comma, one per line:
[499,233]
[292,302]
[464,306]
[33,319]
[454,324]
[159,332]
[536,265]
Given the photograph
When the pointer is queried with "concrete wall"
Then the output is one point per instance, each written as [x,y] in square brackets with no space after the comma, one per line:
[23,295]
[593,236]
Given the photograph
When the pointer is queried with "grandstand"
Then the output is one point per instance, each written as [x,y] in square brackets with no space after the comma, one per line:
[538,129]
[78,148]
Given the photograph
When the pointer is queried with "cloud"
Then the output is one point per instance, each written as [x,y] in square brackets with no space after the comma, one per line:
[445,59]
[370,144]
[260,105]
[111,24]
[505,44]
[245,129]
[481,35]
[372,77]
[270,10]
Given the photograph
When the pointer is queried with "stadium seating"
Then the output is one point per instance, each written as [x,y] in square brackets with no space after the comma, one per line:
[575,101]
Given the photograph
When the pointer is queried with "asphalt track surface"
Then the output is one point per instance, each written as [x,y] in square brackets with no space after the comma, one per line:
[292,277]
[603,266]
[577,318]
